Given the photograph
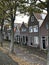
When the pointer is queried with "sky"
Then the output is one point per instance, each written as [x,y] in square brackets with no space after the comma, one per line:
[21,18]
[24,18]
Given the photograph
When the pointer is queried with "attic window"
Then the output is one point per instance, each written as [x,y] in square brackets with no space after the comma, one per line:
[32,19]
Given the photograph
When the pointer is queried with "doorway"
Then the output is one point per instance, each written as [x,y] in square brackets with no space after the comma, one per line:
[44,42]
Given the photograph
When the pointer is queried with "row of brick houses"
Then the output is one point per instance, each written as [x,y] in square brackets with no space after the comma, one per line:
[44,34]
[33,33]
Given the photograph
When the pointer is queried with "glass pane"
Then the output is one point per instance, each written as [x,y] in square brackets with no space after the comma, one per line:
[30,29]
[35,28]
[23,30]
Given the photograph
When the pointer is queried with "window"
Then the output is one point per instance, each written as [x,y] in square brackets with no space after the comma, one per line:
[36,41]
[18,38]
[47,26]
[31,29]
[32,19]
[23,29]
[35,28]
[23,38]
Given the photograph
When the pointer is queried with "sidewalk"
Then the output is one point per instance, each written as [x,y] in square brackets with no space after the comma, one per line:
[6,60]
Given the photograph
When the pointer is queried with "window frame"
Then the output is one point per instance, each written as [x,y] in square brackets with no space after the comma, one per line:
[23,30]
[30,29]
[35,28]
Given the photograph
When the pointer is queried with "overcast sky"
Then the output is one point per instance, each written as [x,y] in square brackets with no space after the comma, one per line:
[21,18]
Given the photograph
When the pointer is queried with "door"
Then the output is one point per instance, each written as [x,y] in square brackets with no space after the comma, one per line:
[44,42]
[31,40]
[26,40]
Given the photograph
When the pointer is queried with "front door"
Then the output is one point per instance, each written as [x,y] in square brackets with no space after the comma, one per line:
[26,40]
[44,44]
[31,40]
[44,41]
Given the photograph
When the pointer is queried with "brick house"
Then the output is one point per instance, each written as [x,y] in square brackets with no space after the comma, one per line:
[33,31]
[44,34]
[30,33]
[24,34]
[7,32]
[17,32]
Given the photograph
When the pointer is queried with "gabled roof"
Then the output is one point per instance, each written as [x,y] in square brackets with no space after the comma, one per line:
[40,17]
[45,20]
[24,25]
[18,25]
[32,20]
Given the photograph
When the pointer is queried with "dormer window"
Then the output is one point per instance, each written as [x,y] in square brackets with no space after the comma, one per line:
[23,29]
[31,29]
[35,28]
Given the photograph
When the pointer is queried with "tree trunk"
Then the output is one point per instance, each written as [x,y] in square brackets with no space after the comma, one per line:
[12,37]
[2,32]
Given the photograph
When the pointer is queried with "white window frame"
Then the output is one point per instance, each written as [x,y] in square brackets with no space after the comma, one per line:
[23,29]
[35,28]
[31,29]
